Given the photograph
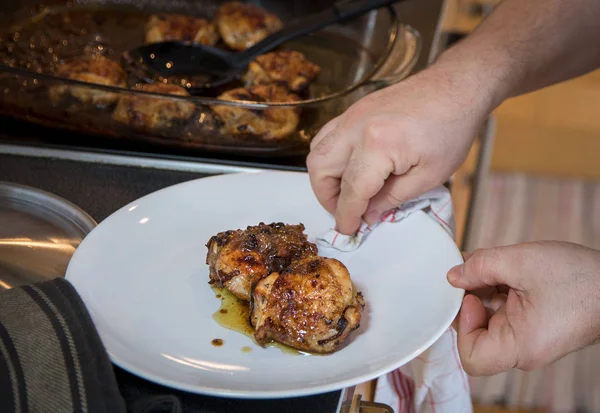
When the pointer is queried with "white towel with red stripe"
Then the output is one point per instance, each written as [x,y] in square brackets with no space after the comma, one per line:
[437,203]
[435,381]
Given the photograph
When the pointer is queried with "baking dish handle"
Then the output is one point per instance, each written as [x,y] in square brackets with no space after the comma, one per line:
[402,59]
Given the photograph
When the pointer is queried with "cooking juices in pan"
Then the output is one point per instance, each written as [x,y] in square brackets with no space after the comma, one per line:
[121,99]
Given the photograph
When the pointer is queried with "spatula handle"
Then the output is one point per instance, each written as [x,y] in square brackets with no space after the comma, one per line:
[338,13]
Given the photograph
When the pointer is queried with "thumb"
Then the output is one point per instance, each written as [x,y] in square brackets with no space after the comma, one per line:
[487,268]
[486,347]
[397,190]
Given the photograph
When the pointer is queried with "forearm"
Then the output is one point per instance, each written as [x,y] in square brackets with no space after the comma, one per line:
[526,45]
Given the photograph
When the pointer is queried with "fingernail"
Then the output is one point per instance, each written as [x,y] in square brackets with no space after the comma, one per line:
[455,273]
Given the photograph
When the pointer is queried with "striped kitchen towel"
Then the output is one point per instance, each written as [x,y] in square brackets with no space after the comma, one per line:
[435,381]
[437,203]
[52,359]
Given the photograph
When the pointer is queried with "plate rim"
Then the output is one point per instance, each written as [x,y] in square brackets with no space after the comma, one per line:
[207,390]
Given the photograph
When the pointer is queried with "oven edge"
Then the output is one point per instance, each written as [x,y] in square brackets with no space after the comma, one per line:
[126,160]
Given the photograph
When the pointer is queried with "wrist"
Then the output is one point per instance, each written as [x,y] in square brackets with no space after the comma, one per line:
[485,75]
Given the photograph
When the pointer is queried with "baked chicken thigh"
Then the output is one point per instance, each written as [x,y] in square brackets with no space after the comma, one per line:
[150,112]
[241,25]
[163,27]
[295,297]
[271,123]
[237,259]
[95,70]
[289,68]
[310,306]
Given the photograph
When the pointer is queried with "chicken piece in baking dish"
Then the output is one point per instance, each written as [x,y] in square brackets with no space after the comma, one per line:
[237,259]
[150,112]
[270,123]
[166,27]
[241,25]
[311,306]
[287,67]
[96,70]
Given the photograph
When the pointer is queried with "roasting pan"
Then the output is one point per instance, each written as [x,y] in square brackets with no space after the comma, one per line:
[356,58]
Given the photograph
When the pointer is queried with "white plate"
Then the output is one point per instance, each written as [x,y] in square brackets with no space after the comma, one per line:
[143,278]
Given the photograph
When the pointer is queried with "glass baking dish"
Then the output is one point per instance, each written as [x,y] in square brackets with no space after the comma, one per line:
[355,59]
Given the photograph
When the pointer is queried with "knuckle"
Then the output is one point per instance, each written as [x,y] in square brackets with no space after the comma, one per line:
[483,264]
[327,128]
[528,367]
[476,371]
[325,145]
[474,368]
[380,135]
[356,183]
[475,263]
[480,368]
[528,364]
[325,139]
[469,367]
[316,139]
[401,157]
[312,162]
[520,258]
[313,143]
[374,134]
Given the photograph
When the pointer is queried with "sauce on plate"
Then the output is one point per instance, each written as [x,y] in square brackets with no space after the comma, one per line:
[234,314]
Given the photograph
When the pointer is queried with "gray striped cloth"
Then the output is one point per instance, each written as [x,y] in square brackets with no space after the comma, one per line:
[52,359]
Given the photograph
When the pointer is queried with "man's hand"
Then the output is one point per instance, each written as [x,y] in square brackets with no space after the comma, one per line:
[394,145]
[406,139]
[543,302]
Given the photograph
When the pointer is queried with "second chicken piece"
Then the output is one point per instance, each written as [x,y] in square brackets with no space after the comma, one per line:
[310,306]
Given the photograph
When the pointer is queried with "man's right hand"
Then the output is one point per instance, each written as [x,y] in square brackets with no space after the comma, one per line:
[399,142]
[395,144]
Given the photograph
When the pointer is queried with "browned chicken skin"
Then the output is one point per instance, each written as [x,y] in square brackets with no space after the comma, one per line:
[96,70]
[289,68]
[271,123]
[310,306]
[237,259]
[165,27]
[296,297]
[241,25]
[149,112]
